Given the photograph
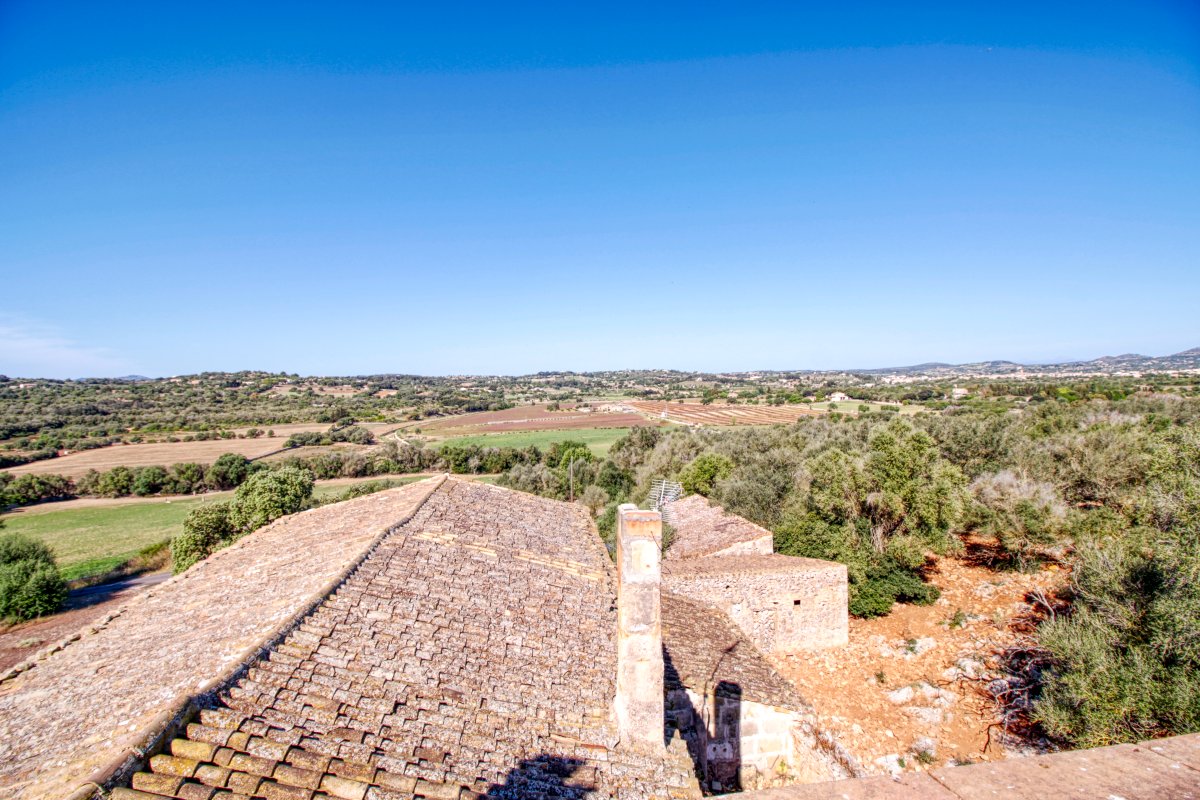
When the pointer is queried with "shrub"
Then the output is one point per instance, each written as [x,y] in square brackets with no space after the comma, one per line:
[117,482]
[186,477]
[1024,516]
[268,495]
[228,471]
[205,530]
[27,489]
[594,498]
[30,584]
[1126,661]
[149,480]
[700,476]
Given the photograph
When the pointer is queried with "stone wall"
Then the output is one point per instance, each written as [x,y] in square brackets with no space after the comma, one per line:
[783,604]
[740,745]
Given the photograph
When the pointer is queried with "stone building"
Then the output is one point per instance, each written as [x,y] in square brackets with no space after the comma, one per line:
[447,639]
[782,603]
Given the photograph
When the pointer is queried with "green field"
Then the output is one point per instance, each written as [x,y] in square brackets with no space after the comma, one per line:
[95,540]
[90,541]
[599,440]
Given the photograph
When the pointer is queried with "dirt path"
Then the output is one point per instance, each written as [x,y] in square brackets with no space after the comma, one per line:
[898,696]
[19,642]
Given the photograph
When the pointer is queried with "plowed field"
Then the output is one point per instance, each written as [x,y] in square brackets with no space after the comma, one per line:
[168,453]
[700,414]
[528,418]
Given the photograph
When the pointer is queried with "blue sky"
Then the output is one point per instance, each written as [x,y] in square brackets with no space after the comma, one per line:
[347,188]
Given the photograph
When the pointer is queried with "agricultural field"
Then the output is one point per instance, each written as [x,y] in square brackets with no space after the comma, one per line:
[598,440]
[93,536]
[526,418]
[720,414]
[94,539]
[852,407]
[167,453]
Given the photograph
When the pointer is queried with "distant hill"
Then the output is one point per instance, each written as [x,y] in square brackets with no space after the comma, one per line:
[1126,362]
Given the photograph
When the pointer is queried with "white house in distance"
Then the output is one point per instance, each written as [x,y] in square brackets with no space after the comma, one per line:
[839,397]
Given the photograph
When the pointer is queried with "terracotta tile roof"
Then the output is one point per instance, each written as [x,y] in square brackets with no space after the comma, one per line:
[747,564]
[702,529]
[472,652]
[704,648]
[82,707]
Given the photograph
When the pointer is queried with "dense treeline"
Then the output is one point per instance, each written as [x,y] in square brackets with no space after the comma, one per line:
[1109,487]
[231,469]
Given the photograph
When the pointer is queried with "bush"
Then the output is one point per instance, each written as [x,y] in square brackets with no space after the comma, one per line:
[700,476]
[594,498]
[1024,516]
[1126,661]
[117,482]
[30,584]
[268,495]
[205,530]
[28,489]
[228,471]
[149,481]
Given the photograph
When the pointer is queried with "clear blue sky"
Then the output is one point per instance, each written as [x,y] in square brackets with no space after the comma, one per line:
[347,188]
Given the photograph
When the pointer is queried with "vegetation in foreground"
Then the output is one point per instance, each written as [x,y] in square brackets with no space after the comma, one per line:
[30,584]
[1110,488]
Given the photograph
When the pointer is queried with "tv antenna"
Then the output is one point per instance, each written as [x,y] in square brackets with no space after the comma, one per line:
[662,494]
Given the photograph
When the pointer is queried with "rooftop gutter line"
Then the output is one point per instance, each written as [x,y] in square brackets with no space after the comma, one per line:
[167,724]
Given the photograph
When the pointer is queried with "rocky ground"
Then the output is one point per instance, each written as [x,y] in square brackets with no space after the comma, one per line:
[907,692]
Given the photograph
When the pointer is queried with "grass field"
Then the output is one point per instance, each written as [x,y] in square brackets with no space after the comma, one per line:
[599,440]
[92,540]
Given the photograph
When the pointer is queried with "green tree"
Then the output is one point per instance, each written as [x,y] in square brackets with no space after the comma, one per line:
[228,471]
[149,481]
[30,584]
[700,476]
[206,529]
[116,482]
[268,495]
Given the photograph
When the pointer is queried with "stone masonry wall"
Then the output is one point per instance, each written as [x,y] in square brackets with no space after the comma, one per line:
[740,745]
[781,611]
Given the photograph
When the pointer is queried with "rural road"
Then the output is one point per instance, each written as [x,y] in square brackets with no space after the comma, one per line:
[83,605]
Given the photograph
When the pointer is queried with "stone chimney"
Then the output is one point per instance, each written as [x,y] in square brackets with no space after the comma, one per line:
[639,702]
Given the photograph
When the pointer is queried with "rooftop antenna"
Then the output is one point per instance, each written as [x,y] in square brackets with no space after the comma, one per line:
[662,494]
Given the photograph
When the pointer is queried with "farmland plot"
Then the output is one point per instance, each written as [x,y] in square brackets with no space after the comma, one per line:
[167,453]
[529,418]
[700,414]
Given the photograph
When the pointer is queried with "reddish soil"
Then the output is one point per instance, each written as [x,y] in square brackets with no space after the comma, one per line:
[529,418]
[19,642]
[721,414]
[933,661]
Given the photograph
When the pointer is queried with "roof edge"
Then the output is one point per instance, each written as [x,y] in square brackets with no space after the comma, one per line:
[165,725]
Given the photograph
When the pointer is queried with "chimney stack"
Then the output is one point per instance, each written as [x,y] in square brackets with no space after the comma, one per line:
[639,702]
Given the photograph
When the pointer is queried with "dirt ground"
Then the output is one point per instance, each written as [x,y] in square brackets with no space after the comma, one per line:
[900,695]
[720,413]
[74,465]
[19,642]
[527,418]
